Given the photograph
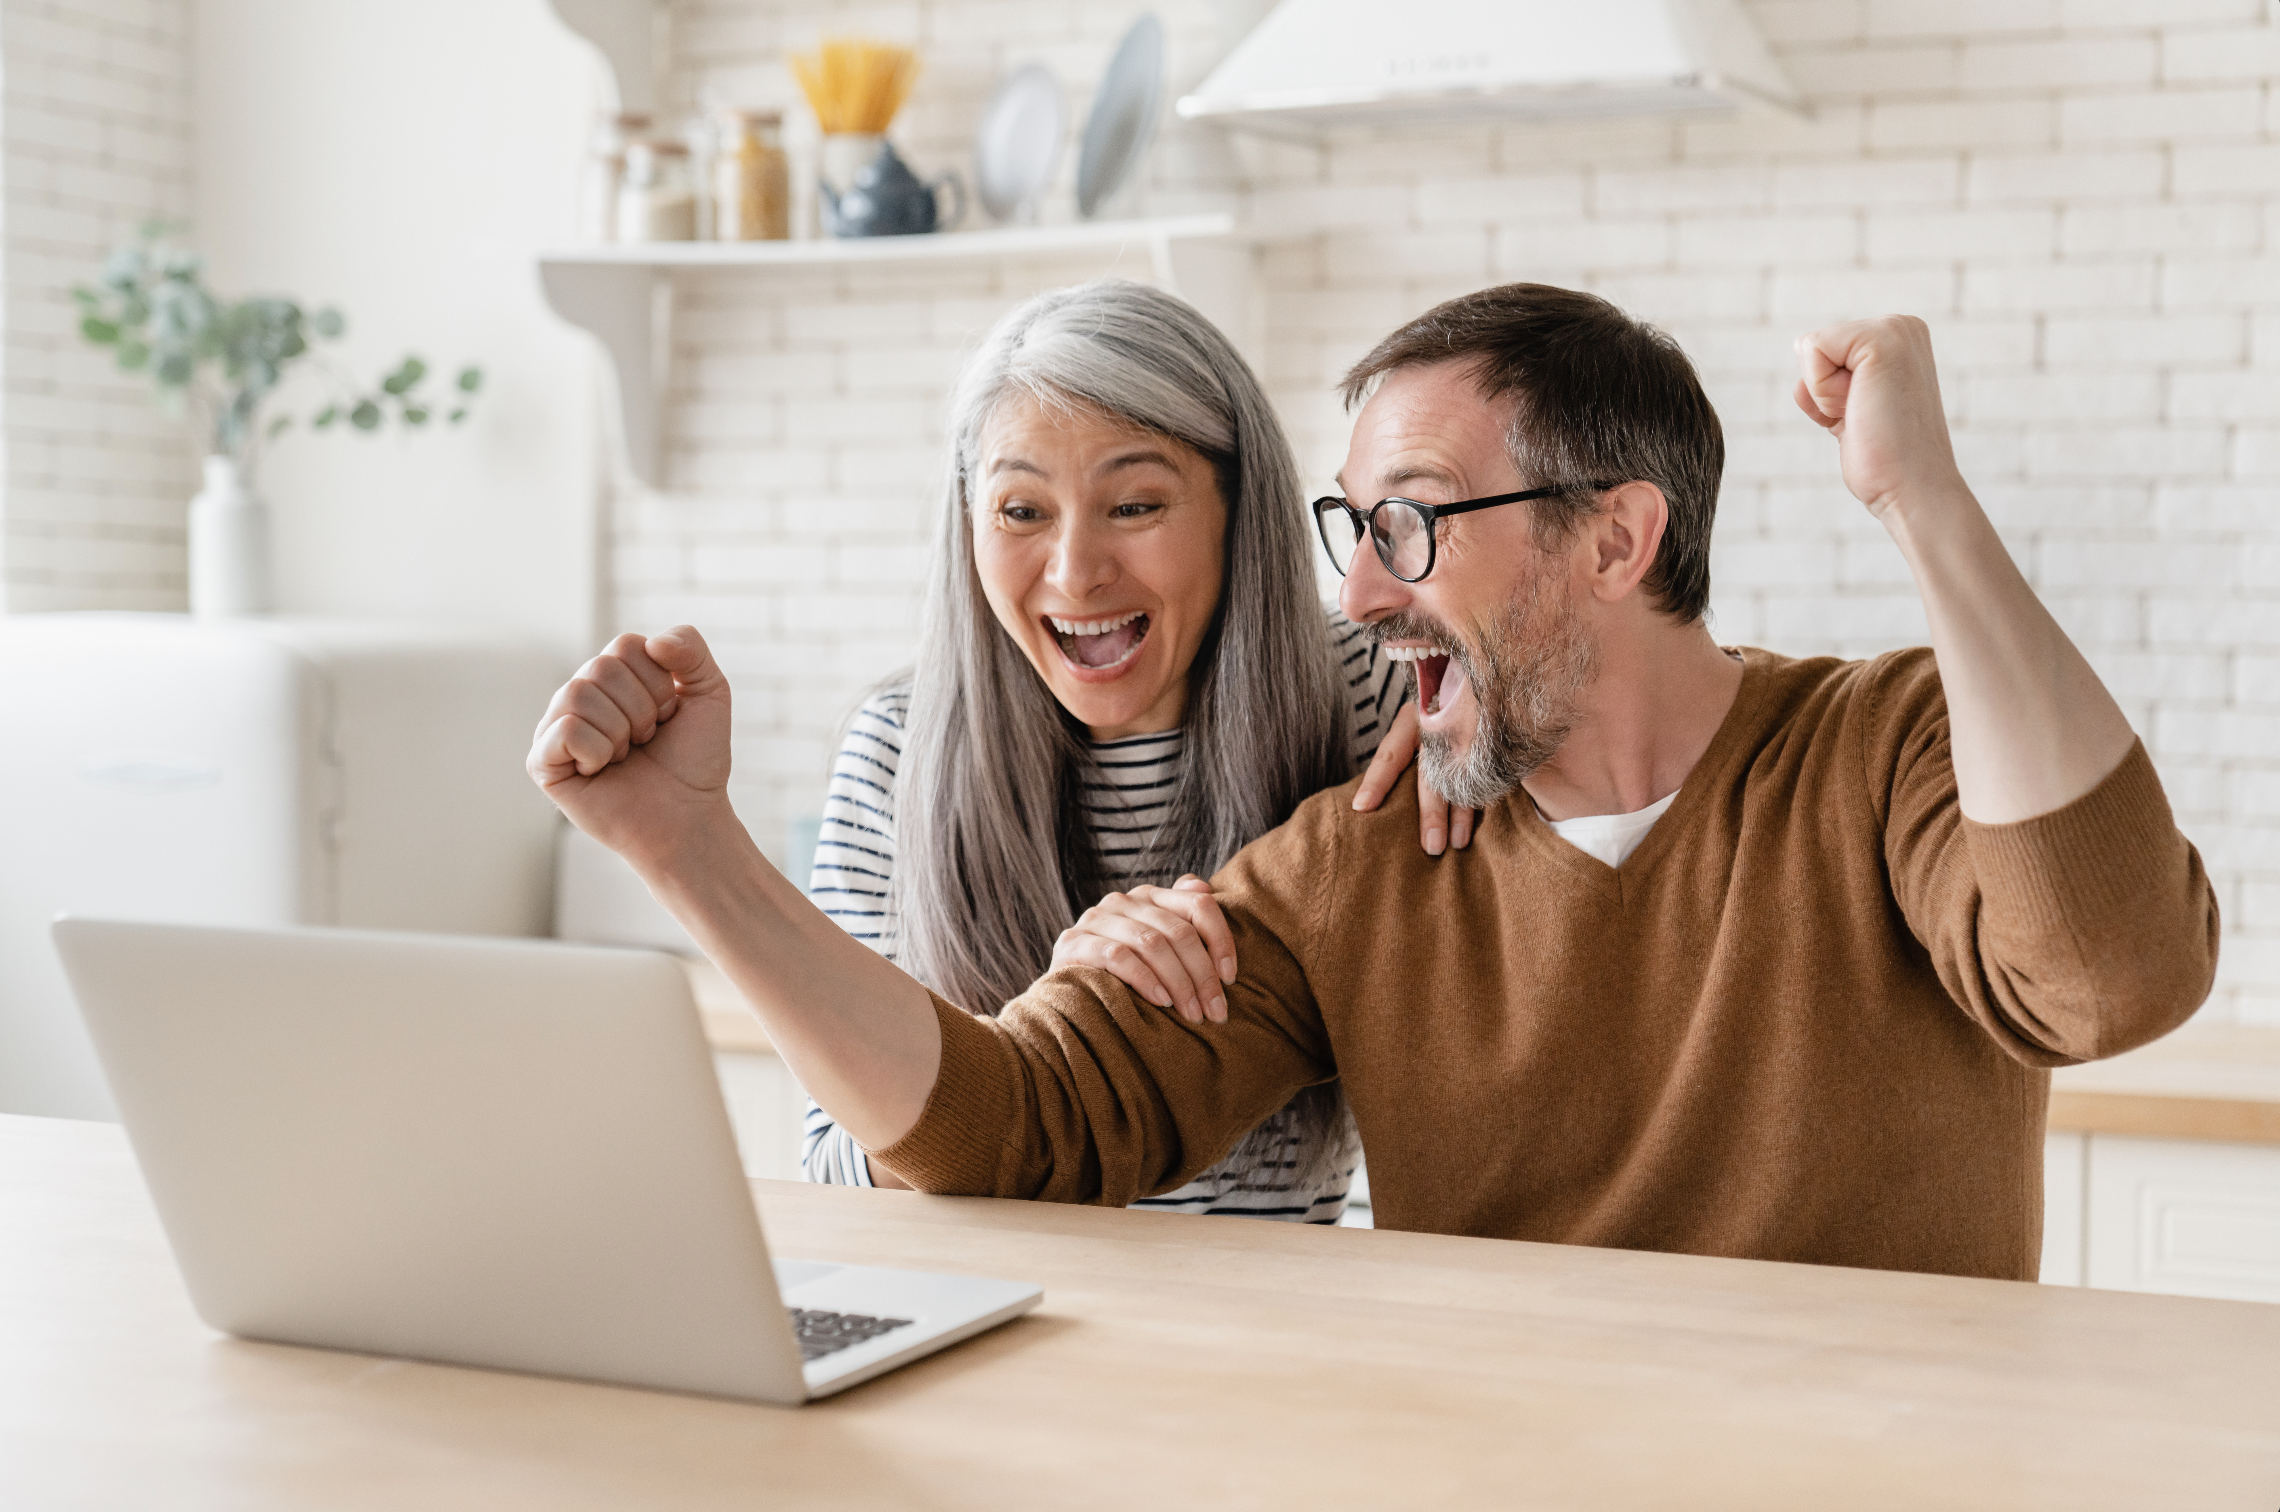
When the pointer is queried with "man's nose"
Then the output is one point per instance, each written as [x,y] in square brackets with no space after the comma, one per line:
[1370,593]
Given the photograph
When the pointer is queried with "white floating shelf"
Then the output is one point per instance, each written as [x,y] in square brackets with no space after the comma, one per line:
[1001,244]
[622,292]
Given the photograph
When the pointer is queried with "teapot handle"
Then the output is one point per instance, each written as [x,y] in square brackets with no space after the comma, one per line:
[957,187]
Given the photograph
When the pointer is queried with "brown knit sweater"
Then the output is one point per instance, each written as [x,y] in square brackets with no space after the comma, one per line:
[1809,1019]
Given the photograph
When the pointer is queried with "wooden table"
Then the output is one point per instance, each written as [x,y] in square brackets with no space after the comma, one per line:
[1181,1363]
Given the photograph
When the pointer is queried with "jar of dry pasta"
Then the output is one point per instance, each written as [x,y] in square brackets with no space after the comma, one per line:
[752,196]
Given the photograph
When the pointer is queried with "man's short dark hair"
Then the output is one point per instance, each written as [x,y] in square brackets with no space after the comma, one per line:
[1596,396]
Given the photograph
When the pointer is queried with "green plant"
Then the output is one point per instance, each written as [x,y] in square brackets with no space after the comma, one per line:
[225,361]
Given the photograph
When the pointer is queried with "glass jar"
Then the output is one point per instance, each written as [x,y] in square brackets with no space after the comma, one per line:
[752,191]
[658,200]
[604,173]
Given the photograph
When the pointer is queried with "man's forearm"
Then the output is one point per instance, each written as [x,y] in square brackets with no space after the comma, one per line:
[2031,727]
[857,1033]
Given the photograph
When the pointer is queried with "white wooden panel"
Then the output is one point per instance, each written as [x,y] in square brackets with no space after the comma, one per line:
[2064,1171]
[2191,1217]
[764,1107]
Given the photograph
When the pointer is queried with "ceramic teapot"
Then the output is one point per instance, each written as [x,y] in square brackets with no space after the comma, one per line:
[887,199]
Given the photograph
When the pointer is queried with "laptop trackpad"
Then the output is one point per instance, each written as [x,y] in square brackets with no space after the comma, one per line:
[791,1274]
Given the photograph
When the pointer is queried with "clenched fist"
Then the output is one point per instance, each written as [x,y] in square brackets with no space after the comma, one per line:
[1871,384]
[634,748]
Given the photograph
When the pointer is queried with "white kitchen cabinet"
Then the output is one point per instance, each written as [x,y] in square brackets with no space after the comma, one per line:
[2065,1167]
[2186,1216]
[2161,1170]
[764,1107]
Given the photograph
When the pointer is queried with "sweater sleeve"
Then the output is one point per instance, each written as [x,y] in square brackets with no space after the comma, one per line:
[1080,1092]
[2073,935]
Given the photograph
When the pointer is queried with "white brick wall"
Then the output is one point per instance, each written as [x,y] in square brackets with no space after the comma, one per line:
[94,117]
[2078,194]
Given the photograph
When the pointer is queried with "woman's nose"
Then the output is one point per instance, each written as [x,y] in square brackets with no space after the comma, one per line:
[1083,563]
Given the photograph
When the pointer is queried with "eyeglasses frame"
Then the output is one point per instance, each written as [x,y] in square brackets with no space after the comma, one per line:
[1366,524]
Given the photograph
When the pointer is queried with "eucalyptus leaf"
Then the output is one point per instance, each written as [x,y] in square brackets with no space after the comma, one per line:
[133,355]
[101,332]
[325,417]
[279,426]
[329,323]
[470,380]
[458,415]
[366,415]
[414,415]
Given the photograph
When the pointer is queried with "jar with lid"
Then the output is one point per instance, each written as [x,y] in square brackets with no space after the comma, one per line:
[752,199]
[604,174]
[658,200]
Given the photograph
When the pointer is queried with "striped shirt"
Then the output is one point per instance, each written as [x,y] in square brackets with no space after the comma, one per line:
[1124,798]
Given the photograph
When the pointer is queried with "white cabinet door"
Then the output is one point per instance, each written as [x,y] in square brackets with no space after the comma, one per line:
[2190,1217]
[2065,1169]
[764,1107]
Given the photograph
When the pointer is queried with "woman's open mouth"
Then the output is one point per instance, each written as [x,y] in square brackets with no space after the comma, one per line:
[1100,645]
[1440,677]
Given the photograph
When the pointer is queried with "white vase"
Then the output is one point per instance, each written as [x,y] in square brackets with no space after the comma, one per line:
[229,545]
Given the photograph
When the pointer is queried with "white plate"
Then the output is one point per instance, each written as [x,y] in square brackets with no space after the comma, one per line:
[1123,117]
[1018,144]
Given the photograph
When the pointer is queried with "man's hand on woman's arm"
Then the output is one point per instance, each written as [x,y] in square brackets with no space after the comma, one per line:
[634,749]
[2031,727]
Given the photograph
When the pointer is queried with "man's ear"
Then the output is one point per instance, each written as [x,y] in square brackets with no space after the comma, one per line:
[1624,536]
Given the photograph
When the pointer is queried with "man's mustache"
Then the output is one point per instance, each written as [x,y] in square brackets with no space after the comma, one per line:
[1406,624]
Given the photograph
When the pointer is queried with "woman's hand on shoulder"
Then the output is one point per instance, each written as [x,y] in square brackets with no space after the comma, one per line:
[1439,825]
[1169,944]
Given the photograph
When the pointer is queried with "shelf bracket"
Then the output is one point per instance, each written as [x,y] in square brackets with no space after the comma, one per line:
[628,308]
[1220,277]
[625,33]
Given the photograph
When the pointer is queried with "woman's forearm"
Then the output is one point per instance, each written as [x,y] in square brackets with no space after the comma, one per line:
[857,1033]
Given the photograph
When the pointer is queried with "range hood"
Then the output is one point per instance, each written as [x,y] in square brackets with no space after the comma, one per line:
[1318,65]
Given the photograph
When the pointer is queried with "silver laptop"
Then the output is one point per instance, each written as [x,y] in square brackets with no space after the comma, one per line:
[503,1153]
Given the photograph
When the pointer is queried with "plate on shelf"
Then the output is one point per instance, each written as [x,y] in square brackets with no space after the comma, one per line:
[1123,119]
[1018,144]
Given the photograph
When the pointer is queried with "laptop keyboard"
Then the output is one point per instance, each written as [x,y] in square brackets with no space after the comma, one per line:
[822,1333]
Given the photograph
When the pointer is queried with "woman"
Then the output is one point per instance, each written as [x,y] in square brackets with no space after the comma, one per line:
[1124,676]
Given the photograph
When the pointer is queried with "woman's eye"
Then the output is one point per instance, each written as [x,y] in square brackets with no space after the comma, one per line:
[1021,514]
[1134,511]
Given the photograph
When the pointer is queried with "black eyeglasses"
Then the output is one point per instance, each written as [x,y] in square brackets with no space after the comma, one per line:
[1402,529]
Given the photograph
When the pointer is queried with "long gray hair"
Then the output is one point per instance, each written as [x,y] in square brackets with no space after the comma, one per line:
[992,852]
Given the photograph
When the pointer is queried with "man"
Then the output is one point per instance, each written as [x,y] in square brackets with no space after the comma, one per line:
[1798,1006]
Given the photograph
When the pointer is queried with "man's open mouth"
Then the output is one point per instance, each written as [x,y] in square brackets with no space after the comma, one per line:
[1440,677]
[1100,645]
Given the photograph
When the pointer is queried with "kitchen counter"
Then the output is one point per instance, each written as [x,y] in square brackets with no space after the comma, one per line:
[2215,1081]
[1176,1361]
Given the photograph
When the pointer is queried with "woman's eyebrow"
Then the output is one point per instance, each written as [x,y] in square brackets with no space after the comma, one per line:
[1014,464]
[1142,458]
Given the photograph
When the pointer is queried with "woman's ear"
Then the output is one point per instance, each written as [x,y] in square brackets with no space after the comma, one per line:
[1625,533]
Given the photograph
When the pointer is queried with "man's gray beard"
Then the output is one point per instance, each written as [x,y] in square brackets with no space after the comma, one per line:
[1527,678]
